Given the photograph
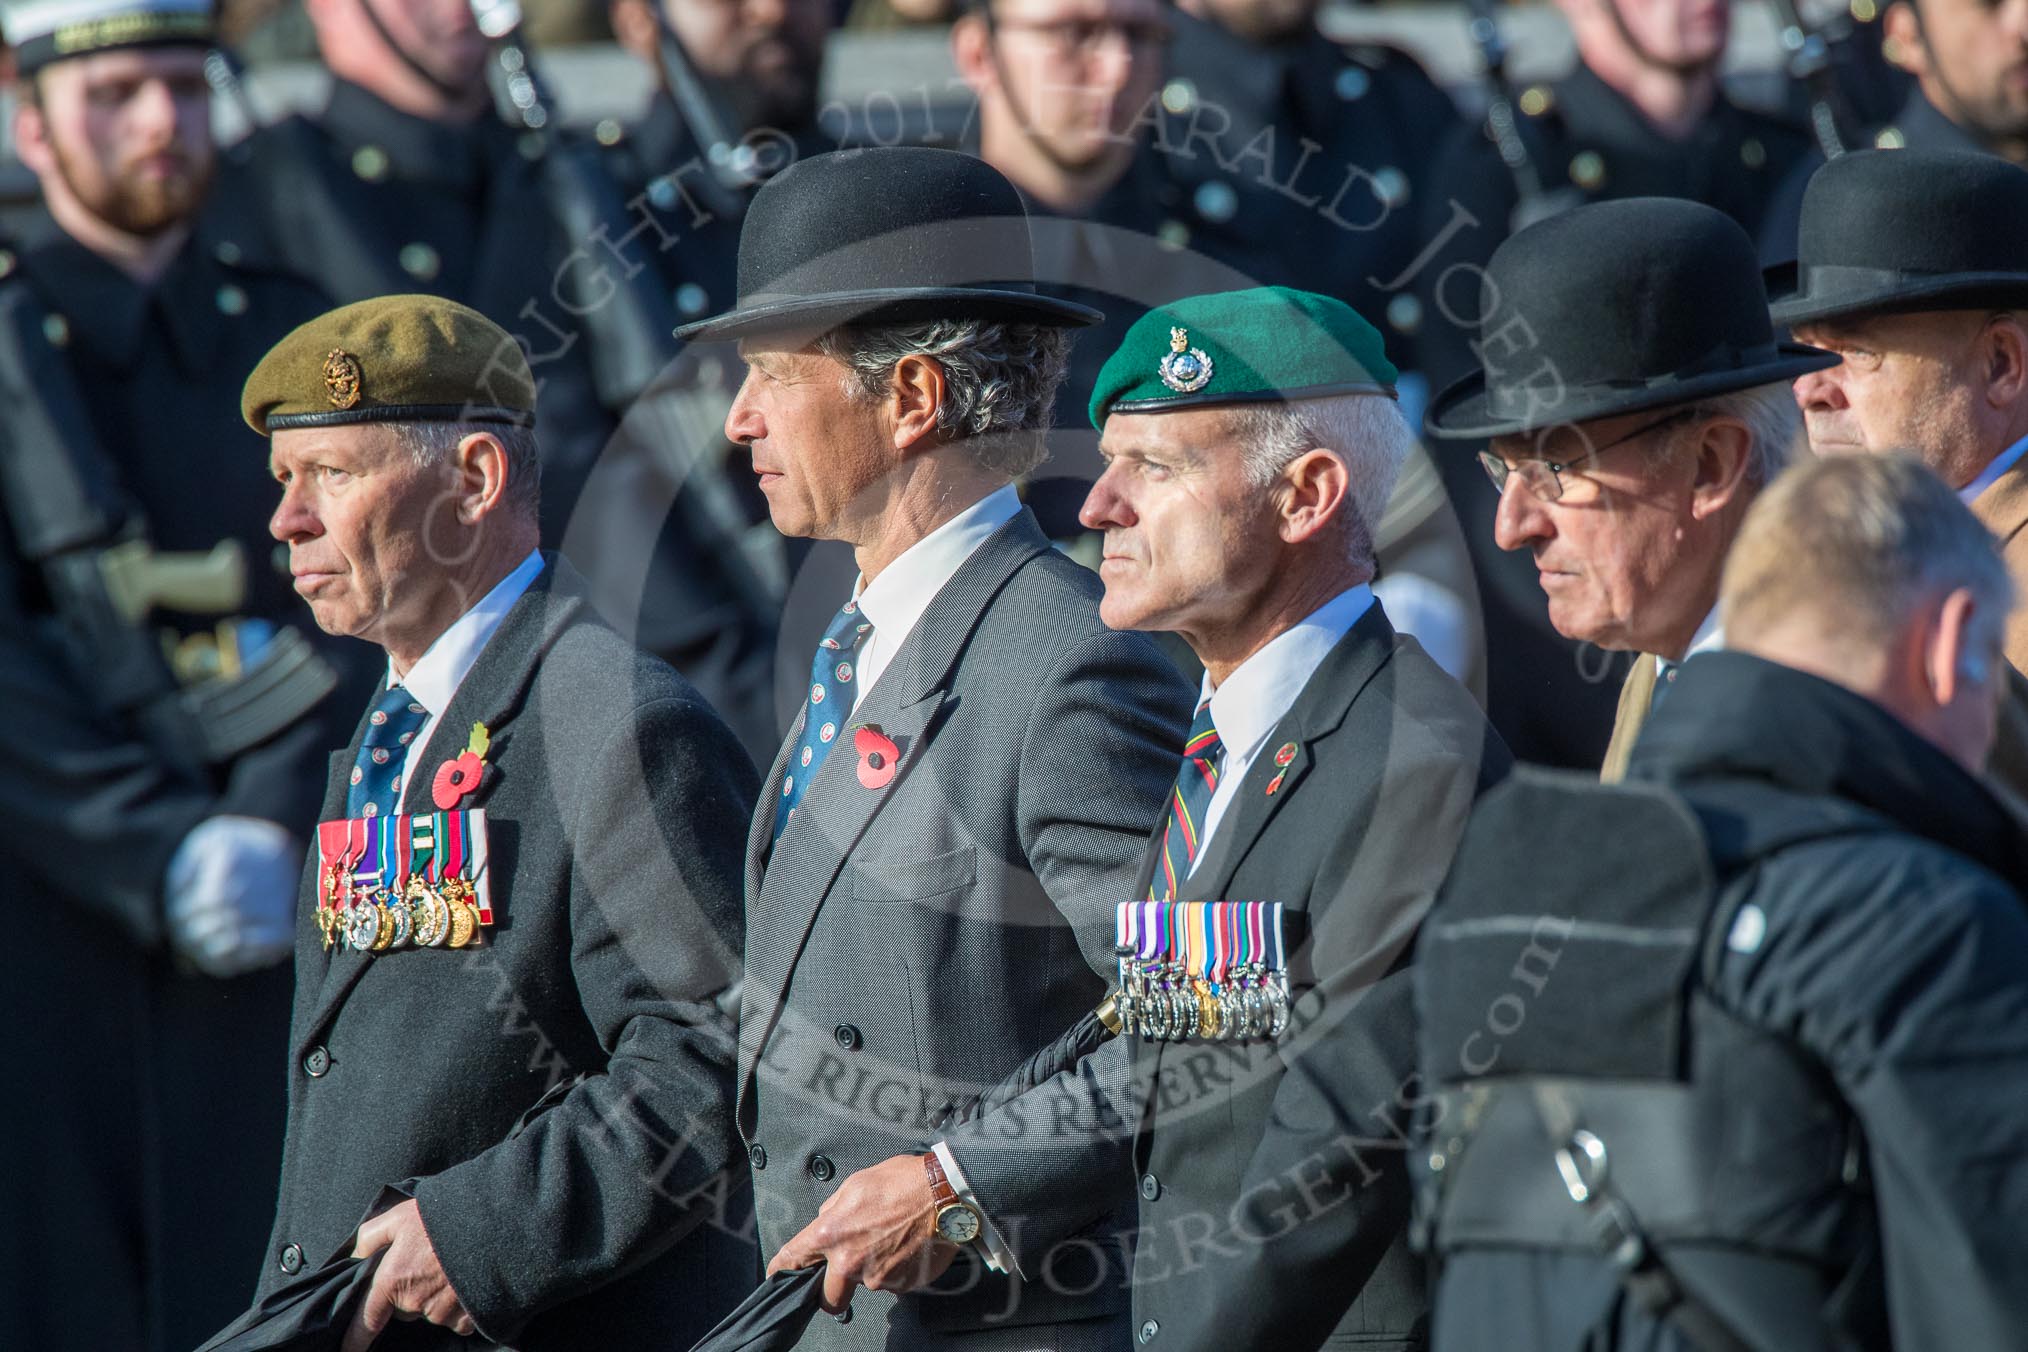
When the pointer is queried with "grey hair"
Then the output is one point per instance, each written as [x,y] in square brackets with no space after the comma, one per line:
[1861,542]
[1367,431]
[1773,422]
[432,443]
[1000,380]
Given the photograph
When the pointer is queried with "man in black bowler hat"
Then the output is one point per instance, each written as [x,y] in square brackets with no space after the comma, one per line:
[1912,267]
[972,768]
[1635,401]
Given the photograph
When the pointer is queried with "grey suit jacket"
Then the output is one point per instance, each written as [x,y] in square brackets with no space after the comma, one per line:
[560,1098]
[909,945]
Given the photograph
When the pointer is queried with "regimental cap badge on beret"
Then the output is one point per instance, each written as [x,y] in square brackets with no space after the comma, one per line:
[1262,344]
[342,377]
[1186,369]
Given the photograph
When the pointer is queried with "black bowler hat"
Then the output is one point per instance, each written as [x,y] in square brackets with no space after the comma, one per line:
[1901,230]
[1615,308]
[887,235]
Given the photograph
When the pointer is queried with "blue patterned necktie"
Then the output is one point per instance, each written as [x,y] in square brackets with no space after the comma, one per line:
[1196,781]
[830,704]
[376,775]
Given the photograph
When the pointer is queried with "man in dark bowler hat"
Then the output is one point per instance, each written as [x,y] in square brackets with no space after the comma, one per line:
[509,1080]
[1643,113]
[1634,400]
[1912,269]
[1329,772]
[965,791]
[1727,1056]
[167,715]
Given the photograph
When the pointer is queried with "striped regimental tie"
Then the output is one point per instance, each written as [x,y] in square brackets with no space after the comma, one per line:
[1196,781]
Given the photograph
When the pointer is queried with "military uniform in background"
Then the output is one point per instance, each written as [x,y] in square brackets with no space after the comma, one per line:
[147,1123]
[379,201]
[1331,148]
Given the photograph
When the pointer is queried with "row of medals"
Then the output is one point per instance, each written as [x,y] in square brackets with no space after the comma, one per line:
[444,916]
[1165,1001]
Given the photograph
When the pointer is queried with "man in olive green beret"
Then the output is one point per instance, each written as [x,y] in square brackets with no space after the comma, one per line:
[506,908]
[1251,439]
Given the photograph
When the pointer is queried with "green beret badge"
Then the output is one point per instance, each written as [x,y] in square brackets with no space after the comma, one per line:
[1186,369]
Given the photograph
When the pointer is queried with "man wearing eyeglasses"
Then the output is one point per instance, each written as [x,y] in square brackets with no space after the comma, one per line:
[1635,402]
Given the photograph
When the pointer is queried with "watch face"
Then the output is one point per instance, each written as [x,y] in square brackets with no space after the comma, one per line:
[959,1224]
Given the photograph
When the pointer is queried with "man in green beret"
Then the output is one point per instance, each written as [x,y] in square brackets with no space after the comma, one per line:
[507,1074]
[1251,439]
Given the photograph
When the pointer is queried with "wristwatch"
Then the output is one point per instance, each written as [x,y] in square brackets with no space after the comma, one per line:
[956,1221]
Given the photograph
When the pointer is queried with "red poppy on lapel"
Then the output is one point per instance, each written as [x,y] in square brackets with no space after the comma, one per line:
[877,756]
[456,777]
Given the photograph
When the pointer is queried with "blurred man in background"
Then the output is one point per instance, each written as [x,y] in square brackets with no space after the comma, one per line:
[157,807]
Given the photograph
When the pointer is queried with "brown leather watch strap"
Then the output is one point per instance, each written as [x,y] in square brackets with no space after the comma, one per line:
[940,1186]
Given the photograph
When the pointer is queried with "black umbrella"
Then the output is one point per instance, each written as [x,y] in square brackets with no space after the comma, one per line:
[774,1317]
[311,1310]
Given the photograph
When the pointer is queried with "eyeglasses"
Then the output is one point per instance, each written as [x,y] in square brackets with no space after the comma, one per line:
[1085,36]
[1543,475]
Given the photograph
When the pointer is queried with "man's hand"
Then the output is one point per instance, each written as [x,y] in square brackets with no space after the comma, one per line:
[877,1231]
[408,1284]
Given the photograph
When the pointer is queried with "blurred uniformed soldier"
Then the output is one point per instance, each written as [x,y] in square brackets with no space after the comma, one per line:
[408,180]
[1966,57]
[1337,140]
[165,724]
[749,71]
[1729,1057]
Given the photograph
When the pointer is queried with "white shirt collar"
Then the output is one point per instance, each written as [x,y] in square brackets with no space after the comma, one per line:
[441,669]
[1262,689]
[895,600]
[1709,638]
[2002,462]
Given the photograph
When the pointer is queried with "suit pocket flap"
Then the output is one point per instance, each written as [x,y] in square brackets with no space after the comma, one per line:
[913,879]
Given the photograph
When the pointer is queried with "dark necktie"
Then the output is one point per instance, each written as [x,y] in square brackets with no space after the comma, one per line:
[825,712]
[1196,781]
[376,775]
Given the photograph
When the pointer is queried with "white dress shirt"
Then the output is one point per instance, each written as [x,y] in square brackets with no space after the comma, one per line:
[442,668]
[1709,638]
[893,602]
[2002,462]
[1261,690]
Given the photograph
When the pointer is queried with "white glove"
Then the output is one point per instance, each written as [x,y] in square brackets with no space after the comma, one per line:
[231,896]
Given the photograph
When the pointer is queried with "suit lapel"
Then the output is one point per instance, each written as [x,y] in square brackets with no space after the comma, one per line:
[1317,713]
[489,694]
[836,810]
[760,832]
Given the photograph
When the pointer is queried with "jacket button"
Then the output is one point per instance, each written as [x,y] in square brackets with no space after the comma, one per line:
[317,1062]
[1151,1188]
[1149,1329]
[292,1259]
[821,1168]
[848,1037]
[757,1156]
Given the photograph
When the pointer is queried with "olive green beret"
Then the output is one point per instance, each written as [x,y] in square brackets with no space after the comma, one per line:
[391,359]
[1234,347]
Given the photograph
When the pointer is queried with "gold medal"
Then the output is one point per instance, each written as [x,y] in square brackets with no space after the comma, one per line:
[326,919]
[1209,1022]
[384,934]
[464,923]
